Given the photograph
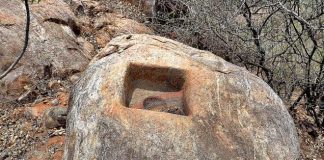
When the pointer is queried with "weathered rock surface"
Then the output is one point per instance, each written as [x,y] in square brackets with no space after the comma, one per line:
[102,22]
[111,25]
[147,97]
[52,46]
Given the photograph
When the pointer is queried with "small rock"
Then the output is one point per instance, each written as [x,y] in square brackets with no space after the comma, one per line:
[89,48]
[74,78]
[55,84]
[14,153]
[55,102]
[55,117]
[63,97]
[102,39]
[62,89]
[100,24]
[80,40]
[37,109]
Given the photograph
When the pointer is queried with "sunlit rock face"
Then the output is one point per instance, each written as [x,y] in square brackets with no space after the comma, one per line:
[148,97]
[52,44]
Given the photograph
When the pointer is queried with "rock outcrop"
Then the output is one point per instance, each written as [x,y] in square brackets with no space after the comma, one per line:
[147,97]
[104,23]
[111,25]
[53,47]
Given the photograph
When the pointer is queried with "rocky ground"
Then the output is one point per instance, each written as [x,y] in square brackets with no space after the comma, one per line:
[310,137]
[30,131]
[23,134]
[26,128]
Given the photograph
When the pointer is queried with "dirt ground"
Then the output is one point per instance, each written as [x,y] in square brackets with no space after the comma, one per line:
[23,134]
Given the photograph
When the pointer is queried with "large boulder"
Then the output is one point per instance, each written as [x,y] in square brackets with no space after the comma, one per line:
[148,97]
[52,45]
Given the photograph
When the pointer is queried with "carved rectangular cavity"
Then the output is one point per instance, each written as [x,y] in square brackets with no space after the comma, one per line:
[155,88]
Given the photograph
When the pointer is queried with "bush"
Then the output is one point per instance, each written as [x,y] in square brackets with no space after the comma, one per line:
[281,42]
